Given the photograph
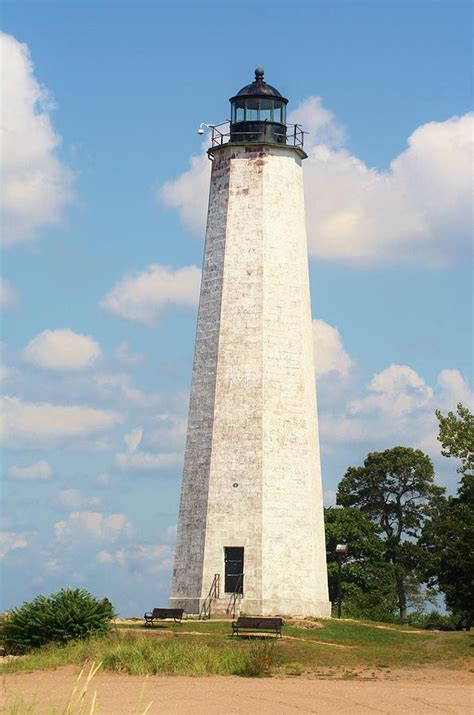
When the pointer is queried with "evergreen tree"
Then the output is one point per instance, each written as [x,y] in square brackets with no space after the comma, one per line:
[395,489]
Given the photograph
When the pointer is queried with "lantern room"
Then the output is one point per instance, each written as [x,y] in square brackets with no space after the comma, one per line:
[258,114]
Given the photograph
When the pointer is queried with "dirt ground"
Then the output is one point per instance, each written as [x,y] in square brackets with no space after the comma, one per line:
[416,691]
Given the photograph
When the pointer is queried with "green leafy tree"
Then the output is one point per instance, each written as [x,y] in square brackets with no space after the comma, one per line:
[367,582]
[456,434]
[395,489]
[449,536]
[60,617]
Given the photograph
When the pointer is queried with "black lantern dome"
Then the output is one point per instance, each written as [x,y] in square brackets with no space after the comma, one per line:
[258,114]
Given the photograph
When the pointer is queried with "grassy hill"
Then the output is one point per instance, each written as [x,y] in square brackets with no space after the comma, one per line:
[338,649]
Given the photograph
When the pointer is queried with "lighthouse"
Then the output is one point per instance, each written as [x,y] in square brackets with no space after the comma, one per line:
[251,528]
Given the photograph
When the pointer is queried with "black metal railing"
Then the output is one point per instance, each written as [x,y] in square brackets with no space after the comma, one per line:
[236,596]
[205,612]
[220,134]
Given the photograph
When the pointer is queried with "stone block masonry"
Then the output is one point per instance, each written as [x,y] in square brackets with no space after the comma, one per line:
[252,474]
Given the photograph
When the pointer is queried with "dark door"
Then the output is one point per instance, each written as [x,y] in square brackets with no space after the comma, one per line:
[234,569]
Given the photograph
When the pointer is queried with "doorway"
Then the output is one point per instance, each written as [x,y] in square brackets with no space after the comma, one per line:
[234,569]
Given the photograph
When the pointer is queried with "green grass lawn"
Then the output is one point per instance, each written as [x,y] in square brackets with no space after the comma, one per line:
[202,648]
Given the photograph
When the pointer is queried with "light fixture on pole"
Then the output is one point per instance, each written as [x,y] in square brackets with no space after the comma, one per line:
[200,130]
[341,553]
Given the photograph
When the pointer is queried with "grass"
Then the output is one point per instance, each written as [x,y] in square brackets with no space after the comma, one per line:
[205,648]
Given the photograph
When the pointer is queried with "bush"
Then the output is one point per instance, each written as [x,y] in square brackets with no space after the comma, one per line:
[67,615]
[433,621]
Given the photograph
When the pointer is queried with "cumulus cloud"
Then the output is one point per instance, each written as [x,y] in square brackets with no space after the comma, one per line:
[139,558]
[133,439]
[24,424]
[10,541]
[188,193]
[398,389]
[36,185]
[329,353]
[74,499]
[454,389]
[37,471]
[319,123]
[396,406]
[148,461]
[121,384]
[143,296]
[6,373]
[8,296]
[417,211]
[129,357]
[93,524]
[141,461]
[62,350]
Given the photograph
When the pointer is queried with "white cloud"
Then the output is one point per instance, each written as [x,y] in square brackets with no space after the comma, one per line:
[148,461]
[35,472]
[143,296]
[141,461]
[132,439]
[329,353]
[129,357]
[171,532]
[6,373]
[8,296]
[319,123]
[73,499]
[62,350]
[120,383]
[398,389]
[36,185]
[104,557]
[26,423]
[93,524]
[140,558]
[188,193]
[171,430]
[396,407]
[418,211]
[10,541]
[454,389]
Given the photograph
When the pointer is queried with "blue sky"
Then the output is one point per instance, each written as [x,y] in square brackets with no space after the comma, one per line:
[106,190]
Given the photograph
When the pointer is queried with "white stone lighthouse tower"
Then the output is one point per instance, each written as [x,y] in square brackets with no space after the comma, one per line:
[251,527]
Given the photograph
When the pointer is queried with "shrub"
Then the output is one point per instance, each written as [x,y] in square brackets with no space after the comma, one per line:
[67,615]
[433,621]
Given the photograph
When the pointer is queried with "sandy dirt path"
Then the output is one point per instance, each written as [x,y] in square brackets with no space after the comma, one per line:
[427,690]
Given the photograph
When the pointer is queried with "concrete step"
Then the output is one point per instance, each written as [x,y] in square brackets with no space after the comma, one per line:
[219,608]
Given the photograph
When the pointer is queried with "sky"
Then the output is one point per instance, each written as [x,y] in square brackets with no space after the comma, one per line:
[105,185]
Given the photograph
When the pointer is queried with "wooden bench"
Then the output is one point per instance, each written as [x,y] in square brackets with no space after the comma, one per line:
[248,624]
[161,614]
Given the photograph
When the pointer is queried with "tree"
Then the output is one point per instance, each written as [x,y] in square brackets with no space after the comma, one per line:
[449,537]
[367,583]
[456,434]
[395,489]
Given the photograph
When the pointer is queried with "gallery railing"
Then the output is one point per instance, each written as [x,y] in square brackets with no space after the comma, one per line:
[220,134]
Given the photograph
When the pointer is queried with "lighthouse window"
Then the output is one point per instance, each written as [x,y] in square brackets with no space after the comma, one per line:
[252,111]
[266,110]
[238,110]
